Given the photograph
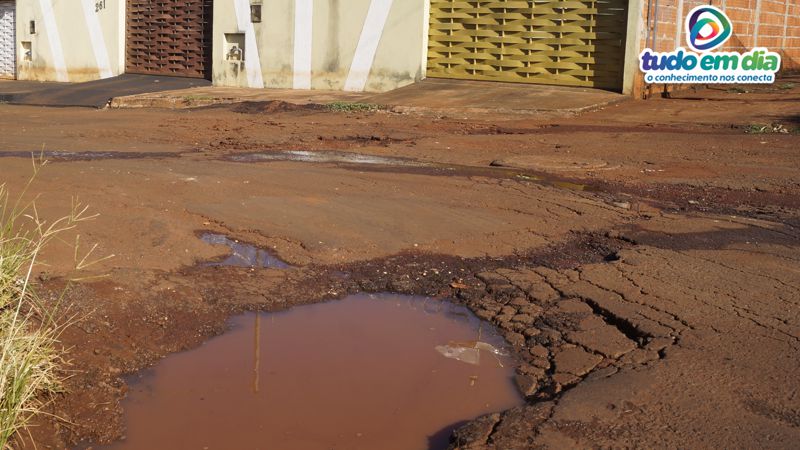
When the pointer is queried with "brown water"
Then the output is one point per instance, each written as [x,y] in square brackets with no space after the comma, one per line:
[361,373]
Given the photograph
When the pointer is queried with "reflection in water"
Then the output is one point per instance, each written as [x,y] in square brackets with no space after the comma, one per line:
[243,255]
[257,352]
[360,373]
[470,351]
[324,157]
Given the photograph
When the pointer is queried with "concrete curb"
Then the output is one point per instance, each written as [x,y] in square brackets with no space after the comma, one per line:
[187,102]
[422,110]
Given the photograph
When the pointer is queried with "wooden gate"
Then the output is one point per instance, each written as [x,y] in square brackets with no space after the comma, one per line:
[565,42]
[169,37]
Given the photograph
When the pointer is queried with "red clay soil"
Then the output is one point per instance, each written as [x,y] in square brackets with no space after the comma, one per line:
[642,259]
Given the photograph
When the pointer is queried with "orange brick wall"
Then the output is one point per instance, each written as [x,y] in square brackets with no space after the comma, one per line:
[774,24]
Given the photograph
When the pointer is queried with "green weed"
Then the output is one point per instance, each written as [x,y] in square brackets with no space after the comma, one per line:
[197,98]
[349,107]
[774,128]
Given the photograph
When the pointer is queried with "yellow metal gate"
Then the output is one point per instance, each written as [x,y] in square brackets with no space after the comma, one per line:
[566,42]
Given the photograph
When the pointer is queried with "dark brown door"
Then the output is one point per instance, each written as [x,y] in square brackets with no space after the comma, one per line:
[169,37]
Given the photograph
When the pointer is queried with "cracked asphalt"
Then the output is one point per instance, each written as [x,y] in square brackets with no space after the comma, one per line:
[641,260]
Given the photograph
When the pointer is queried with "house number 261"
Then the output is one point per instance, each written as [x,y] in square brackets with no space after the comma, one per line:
[99,6]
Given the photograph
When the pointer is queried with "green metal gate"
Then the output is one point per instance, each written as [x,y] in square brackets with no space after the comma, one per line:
[566,42]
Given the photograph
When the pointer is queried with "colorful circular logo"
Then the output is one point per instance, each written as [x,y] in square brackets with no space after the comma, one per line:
[707,28]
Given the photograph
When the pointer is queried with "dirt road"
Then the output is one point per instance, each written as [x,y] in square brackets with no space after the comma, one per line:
[642,259]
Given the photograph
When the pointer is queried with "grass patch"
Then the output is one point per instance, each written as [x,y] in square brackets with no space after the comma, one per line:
[197,98]
[31,359]
[774,128]
[349,107]
[737,90]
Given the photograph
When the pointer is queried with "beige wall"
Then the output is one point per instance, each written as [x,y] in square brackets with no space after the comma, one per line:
[74,40]
[332,38]
[337,47]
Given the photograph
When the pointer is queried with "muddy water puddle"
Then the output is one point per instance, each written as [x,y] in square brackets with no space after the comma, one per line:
[366,372]
[324,157]
[382,163]
[86,156]
[242,254]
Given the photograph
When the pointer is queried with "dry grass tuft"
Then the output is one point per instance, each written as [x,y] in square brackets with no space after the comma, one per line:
[31,359]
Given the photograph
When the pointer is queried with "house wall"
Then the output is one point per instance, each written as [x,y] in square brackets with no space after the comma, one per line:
[8,42]
[774,24]
[372,45]
[74,40]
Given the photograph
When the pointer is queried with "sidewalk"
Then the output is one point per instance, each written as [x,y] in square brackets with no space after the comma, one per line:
[217,95]
[431,96]
[91,94]
[460,96]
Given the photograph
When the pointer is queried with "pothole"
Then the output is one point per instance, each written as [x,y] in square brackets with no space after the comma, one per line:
[242,254]
[57,155]
[496,169]
[272,106]
[370,371]
[324,157]
[551,163]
